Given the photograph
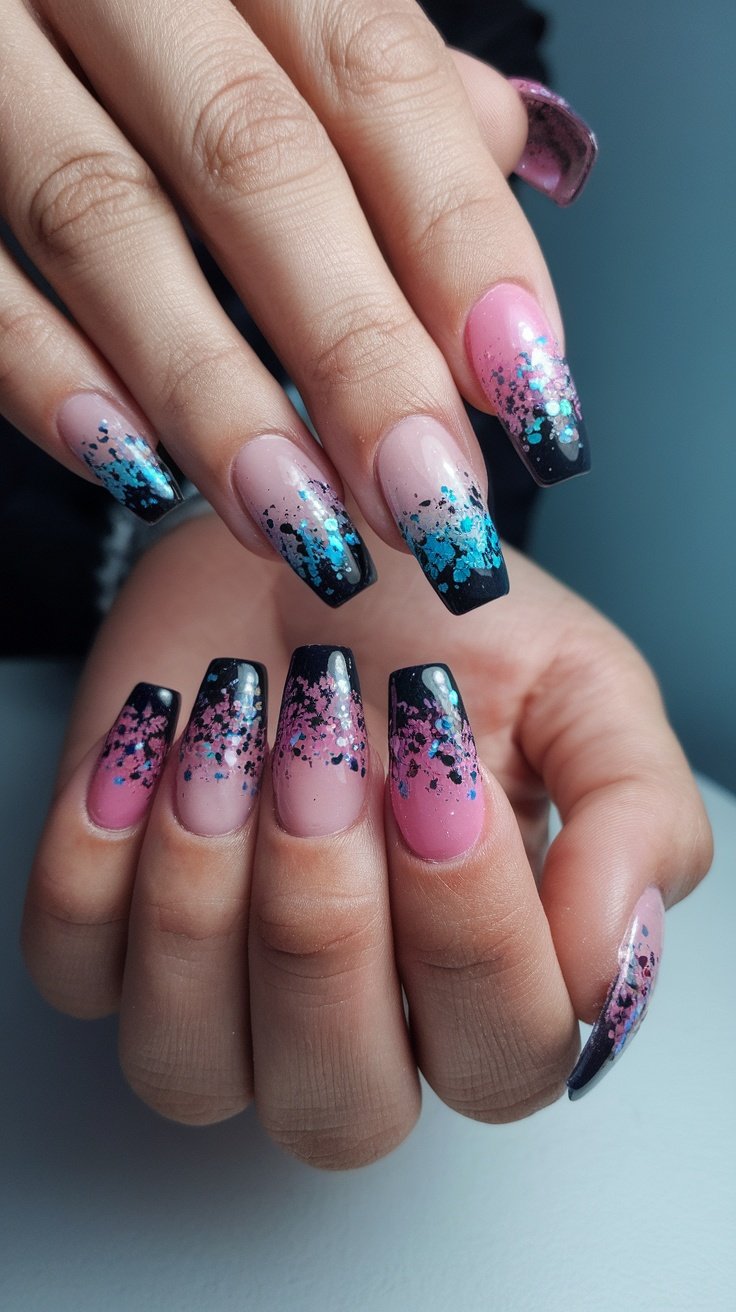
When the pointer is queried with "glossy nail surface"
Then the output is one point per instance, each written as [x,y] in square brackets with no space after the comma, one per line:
[223,748]
[526,379]
[132,757]
[435,786]
[560,150]
[123,461]
[628,997]
[441,513]
[320,755]
[303,518]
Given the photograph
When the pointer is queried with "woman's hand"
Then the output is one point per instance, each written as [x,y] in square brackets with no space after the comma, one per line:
[348,173]
[255,945]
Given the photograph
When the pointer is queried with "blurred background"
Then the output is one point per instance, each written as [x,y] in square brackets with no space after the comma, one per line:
[644,267]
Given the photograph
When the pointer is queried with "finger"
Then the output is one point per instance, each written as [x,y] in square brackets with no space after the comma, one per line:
[491,1019]
[93,218]
[184,1019]
[76,910]
[386,88]
[257,170]
[559,149]
[335,1081]
[634,828]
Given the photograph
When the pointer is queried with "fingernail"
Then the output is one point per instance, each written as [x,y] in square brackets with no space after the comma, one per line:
[321,752]
[629,995]
[125,463]
[303,518]
[223,748]
[522,371]
[132,757]
[560,150]
[441,513]
[435,785]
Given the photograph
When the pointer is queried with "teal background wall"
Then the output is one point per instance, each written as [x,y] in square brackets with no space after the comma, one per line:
[644,266]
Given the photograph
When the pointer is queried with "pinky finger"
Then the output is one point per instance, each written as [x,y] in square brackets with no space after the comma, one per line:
[57,390]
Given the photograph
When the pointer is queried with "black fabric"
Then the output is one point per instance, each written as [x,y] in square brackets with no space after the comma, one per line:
[52,523]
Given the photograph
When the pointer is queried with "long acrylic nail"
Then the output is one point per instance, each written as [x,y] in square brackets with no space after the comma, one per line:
[522,371]
[629,995]
[435,786]
[223,748]
[441,513]
[132,757]
[560,150]
[321,751]
[303,518]
[101,435]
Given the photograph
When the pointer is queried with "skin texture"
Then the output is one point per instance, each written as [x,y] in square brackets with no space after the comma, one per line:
[348,173]
[499,947]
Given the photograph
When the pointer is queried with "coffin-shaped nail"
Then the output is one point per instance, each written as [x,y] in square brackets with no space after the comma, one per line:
[223,748]
[628,997]
[320,754]
[101,435]
[132,757]
[560,150]
[519,364]
[441,514]
[435,786]
[303,518]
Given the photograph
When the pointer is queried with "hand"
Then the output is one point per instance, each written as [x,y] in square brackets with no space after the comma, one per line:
[347,171]
[169,925]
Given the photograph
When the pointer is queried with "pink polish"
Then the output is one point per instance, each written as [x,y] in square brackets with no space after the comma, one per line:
[441,513]
[435,785]
[223,748]
[132,757]
[560,150]
[639,957]
[526,378]
[321,752]
[101,435]
[303,518]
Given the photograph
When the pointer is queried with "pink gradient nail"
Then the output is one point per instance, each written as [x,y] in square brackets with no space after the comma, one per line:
[526,378]
[132,757]
[639,957]
[303,518]
[435,785]
[223,748]
[321,751]
[560,149]
[441,513]
[102,435]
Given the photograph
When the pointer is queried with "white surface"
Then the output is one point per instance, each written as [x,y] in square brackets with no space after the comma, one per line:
[624,1200]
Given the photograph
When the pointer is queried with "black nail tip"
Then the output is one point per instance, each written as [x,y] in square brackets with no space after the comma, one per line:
[312,662]
[152,511]
[409,684]
[478,591]
[549,464]
[231,672]
[161,701]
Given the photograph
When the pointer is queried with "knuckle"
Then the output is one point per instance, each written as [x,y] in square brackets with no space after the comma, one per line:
[252,134]
[470,953]
[162,1088]
[195,376]
[89,197]
[480,1100]
[391,52]
[366,343]
[24,332]
[199,922]
[318,936]
[457,219]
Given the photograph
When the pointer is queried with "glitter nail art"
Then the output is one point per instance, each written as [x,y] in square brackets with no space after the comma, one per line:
[528,382]
[223,748]
[303,518]
[320,755]
[435,786]
[124,462]
[629,996]
[441,514]
[132,757]
[560,150]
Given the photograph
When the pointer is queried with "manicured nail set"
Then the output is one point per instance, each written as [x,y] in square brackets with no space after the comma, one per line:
[320,766]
